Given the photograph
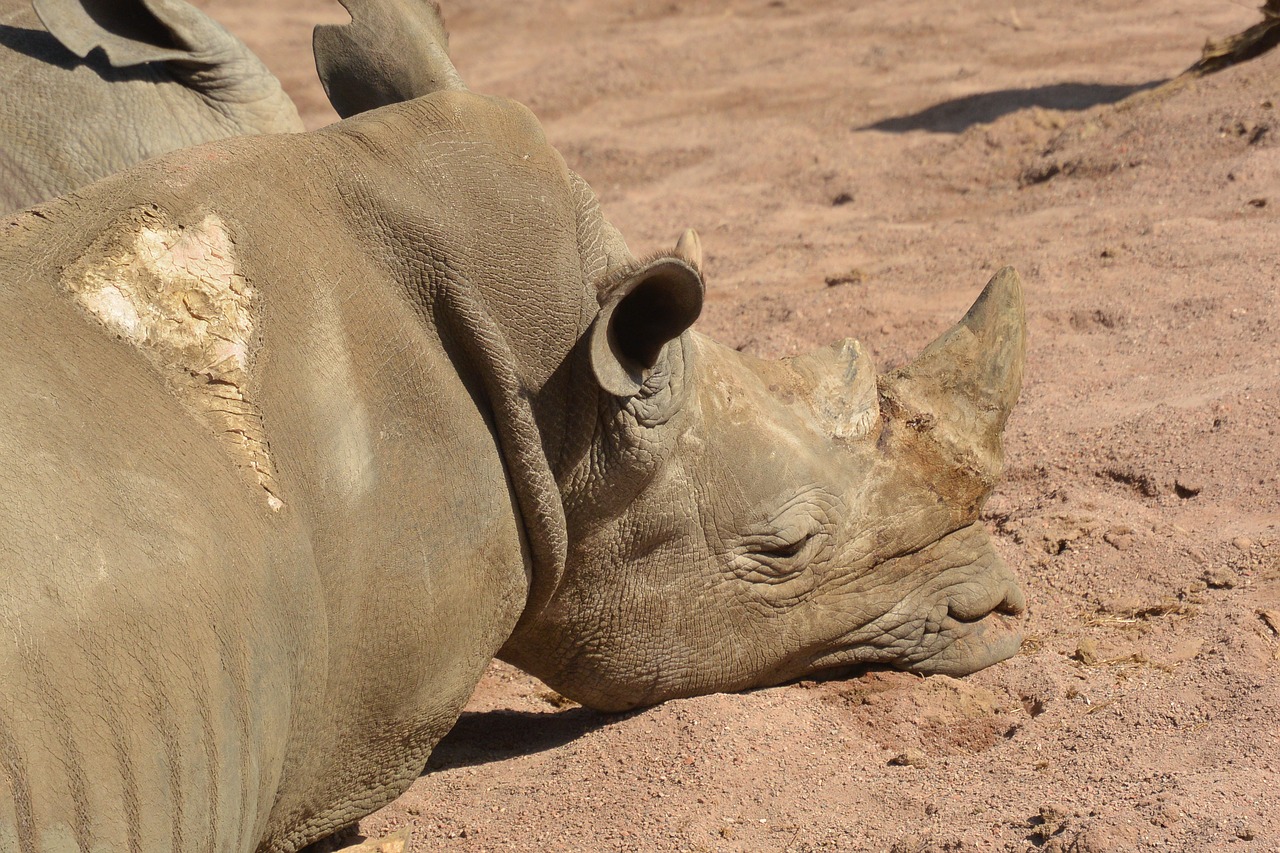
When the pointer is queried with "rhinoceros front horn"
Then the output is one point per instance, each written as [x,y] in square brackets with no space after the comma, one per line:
[961,389]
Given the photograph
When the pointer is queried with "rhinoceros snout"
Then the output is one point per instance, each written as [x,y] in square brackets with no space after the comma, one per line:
[975,607]
[972,646]
[1008,598]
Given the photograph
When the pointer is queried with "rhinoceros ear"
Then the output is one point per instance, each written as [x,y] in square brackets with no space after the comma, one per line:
[134,32]
[648,310]
[392,51]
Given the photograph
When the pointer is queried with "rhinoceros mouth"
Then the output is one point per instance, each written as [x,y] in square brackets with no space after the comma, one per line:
[971,645]
[968,620]
[952,647]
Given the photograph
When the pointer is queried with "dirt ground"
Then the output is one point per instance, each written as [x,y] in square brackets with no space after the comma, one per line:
[861,169]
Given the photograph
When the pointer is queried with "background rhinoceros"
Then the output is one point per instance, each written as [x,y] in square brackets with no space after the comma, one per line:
[94,86]
[303,429]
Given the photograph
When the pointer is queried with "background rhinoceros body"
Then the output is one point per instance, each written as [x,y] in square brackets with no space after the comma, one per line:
[92,88]
[289,459]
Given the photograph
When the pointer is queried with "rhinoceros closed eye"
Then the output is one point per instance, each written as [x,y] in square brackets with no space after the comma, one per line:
[797,534]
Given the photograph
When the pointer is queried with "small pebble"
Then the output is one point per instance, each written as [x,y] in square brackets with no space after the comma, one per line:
[1119,541]
[1272,619]
[910,758]
[1086,651]
[1244,543]
[1185,487]
[1220,577]
[853,276]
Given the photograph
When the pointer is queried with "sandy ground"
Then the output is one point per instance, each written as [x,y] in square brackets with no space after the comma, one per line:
[860,169]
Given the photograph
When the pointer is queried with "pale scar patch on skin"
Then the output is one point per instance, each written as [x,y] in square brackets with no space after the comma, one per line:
[847,399]
[177,294]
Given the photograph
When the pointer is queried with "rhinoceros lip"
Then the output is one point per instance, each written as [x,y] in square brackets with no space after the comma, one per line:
[971,644]
[989,640]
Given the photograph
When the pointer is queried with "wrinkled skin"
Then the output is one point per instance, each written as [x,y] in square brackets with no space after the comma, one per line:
[755,546]
[81,101]
[285,462]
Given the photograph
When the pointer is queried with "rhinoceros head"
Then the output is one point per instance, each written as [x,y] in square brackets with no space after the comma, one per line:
[724,522]
[735,522]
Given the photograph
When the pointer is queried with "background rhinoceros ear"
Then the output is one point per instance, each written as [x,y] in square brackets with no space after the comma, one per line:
[134,32]
[649,309]
[392,51]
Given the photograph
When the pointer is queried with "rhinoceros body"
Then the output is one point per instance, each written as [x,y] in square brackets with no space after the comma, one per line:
[91,88]
[300,431]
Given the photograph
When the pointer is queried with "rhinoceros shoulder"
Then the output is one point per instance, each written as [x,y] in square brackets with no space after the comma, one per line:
[175,292]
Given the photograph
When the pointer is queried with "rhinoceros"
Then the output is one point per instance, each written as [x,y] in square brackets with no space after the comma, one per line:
[93,86]
[302,430]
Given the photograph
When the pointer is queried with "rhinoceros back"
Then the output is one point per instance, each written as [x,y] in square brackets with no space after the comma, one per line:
[149,668]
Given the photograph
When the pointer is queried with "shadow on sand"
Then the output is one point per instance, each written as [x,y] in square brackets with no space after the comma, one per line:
[479,738]
[961,113]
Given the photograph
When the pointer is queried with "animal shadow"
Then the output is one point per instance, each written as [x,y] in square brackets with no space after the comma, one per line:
[483,737]
[959,114]
[40,45]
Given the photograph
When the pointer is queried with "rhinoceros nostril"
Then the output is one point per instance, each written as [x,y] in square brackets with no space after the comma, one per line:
[975,609]
[1014,603]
